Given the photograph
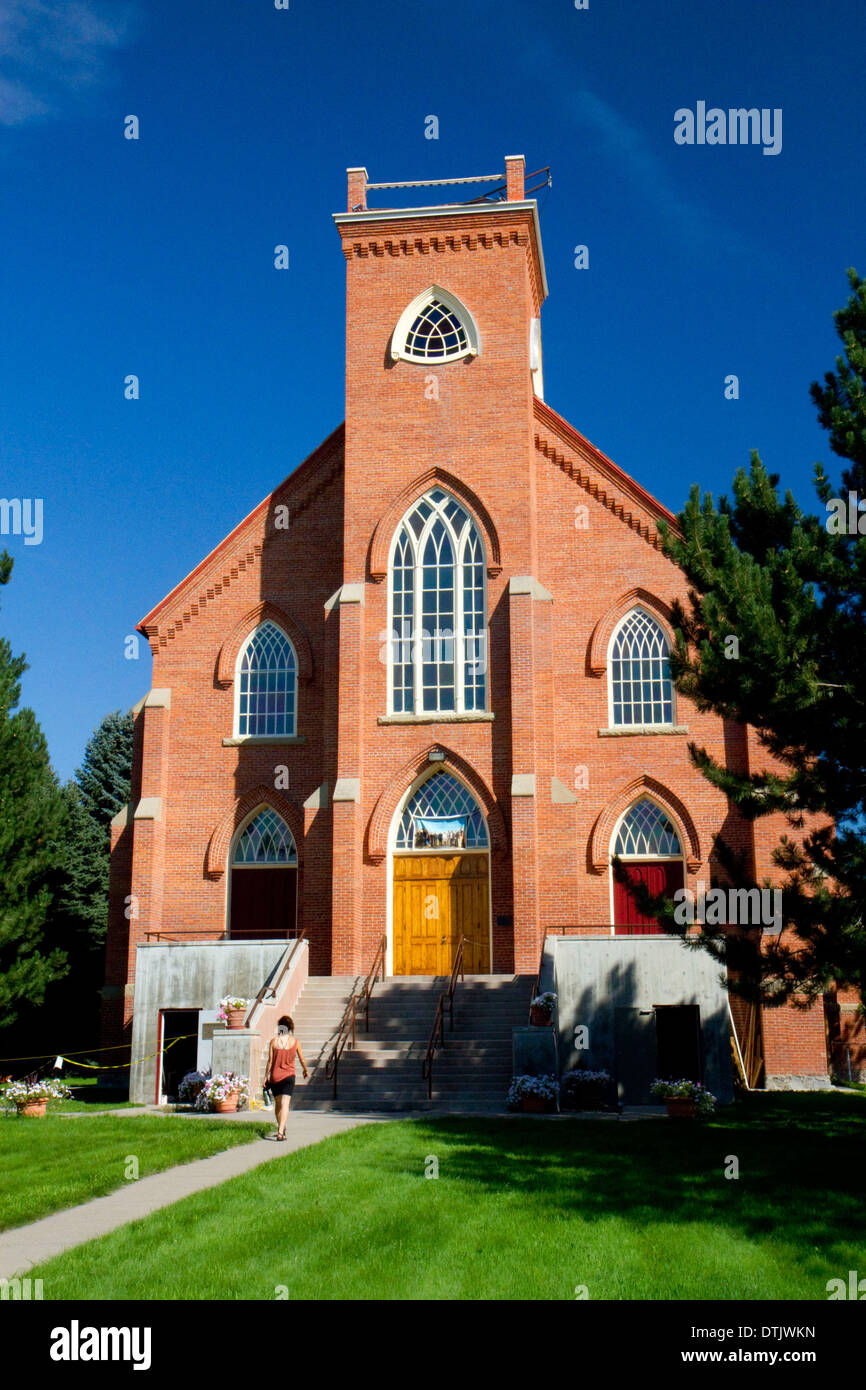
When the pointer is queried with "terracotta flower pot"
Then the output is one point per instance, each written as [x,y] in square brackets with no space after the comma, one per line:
[681,1108]
[540,1018]
[533,1105]
[227,1106]
[36,1108]
[235,1018]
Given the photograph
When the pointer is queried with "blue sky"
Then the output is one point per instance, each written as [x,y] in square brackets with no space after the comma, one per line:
[155,257]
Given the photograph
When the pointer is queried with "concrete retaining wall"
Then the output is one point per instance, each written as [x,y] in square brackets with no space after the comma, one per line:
[192,975]
[596,976]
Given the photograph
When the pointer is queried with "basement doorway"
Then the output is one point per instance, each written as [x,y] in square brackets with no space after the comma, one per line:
[678,1042]
[663,1041]
[178,1044]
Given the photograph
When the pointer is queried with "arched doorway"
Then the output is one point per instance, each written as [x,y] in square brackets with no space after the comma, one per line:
[263,889]
[441,879]
[647,842]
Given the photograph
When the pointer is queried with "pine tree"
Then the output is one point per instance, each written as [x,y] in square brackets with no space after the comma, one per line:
[32,832]
[98,791]
[78,918]
[773,635]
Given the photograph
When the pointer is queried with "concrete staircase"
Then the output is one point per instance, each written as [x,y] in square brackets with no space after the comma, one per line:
[471,1073]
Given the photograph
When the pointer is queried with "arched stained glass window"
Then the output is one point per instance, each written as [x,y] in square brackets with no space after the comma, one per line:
[640,679]
[646,832]
[435,327]
[443,814]
[436,334]
[267,684]
[266,840]
[438,610]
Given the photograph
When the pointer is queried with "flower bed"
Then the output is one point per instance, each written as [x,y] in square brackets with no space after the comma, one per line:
[541,1008]
[224,1093]
[684,1098]
[533,1094]
[582,1089]
[32,1097]
[233,1011]
[189,1088]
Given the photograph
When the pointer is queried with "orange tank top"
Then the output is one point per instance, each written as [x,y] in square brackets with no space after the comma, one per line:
[284,1062]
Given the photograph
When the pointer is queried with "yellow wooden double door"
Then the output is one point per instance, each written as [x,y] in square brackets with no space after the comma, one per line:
[438,899]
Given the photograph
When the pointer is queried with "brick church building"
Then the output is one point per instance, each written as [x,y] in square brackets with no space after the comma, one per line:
[421,691]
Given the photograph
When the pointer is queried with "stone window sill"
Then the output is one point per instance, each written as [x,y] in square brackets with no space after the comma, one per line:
[628,731]
[447,717]
[263,738]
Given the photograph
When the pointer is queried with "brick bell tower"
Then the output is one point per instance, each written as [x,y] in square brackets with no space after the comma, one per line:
[465,424]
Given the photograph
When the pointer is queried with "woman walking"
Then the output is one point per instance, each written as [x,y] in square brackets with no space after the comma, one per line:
[280,1073]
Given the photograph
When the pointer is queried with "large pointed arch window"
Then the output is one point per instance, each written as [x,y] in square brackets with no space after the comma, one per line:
[267,685]
[438,610]
[641,691]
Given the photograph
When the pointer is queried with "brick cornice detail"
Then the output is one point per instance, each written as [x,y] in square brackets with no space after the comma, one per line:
[383,813]
[387,524]
[228,656]
[361,242]
[586,479]
[262,795]
[603,631]
[598,853]
[219,570]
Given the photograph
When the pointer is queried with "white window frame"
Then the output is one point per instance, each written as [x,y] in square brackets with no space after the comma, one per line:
[663,724]
[417,656]
[411,312]
[290,733]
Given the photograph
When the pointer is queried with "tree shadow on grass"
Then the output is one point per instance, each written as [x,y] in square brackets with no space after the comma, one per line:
[800,1161]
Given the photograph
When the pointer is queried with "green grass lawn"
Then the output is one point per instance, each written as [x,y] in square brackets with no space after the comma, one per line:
[87,1094]
[522,1209]
[54,1163]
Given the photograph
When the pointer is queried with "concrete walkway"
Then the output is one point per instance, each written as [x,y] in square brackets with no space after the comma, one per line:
[26,1246]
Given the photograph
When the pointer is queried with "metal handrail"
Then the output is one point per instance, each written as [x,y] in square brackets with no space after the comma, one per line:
[538,976]
[438,1028]
[221,933]
[274,989]
[437,1034]
[373,979]
[348,1025]
[457,968]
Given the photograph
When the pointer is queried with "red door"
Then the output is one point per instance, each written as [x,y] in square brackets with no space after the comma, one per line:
[264,902]
[662,876]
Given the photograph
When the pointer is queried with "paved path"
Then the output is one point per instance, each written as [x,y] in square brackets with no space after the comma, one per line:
[27,1246]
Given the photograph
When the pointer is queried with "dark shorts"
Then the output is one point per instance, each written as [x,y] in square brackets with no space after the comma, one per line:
[283,1088]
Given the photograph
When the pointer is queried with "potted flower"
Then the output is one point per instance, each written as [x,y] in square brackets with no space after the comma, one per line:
[192,1083]
[233,1011]
[534,1095]
[683,1099]
[31,1097]
[541,1009]
[223,1093]
[583,1089]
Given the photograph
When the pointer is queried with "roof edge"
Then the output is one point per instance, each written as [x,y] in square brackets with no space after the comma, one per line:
[306,464]
[546,415]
